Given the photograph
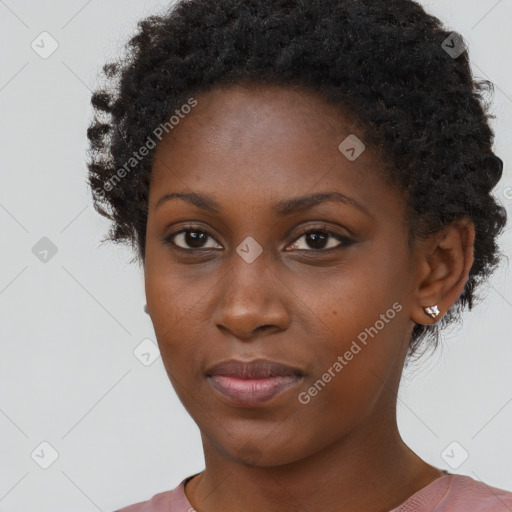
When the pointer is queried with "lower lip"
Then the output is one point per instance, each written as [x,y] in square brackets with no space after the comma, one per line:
[252,391]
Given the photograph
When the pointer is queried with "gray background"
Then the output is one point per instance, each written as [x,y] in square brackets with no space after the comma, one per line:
[70,325]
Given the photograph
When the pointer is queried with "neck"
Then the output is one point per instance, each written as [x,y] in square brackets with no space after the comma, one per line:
[371,470]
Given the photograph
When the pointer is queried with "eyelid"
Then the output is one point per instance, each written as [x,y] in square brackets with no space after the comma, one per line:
[167,239]
[344,240]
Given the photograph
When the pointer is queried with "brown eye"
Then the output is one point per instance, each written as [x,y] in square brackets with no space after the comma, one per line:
[315,240]
[321,240]
[190,239]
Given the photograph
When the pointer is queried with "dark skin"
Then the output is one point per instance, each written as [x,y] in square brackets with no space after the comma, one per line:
[248,148]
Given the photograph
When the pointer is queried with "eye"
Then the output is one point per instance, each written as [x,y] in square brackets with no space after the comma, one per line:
[192,237]
[318,239]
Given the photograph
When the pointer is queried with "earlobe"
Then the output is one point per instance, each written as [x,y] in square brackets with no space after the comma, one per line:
[446,261]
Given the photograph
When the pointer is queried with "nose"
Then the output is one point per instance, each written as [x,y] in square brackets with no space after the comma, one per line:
[251,300]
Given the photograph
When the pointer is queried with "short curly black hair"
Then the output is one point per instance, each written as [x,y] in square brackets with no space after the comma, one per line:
[386,62]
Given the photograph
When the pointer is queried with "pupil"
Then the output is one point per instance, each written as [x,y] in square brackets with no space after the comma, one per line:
[316,237]
[193,237]
[197,238]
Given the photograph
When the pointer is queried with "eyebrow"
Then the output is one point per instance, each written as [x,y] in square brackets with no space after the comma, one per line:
[282,208]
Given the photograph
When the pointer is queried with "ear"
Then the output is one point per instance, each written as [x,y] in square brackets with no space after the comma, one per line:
[443,264]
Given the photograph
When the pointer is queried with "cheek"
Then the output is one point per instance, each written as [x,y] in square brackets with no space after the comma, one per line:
[171,297]
[361,321]
[353,372]
[171,308]
[348,299]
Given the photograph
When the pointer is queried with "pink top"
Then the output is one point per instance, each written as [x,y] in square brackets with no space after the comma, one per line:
[449,493]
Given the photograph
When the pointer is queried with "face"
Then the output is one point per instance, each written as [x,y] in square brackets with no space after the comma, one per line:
[239,272]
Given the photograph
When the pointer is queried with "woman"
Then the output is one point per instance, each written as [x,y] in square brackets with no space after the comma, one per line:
[308,188]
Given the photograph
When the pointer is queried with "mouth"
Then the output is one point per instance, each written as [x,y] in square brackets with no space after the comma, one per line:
[252,383]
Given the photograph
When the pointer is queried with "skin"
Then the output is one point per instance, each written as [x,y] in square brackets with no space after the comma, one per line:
[249,147]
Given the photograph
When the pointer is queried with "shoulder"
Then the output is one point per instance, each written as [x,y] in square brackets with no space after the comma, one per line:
[466,493]
[168,501]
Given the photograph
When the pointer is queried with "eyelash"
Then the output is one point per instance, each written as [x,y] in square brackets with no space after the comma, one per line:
[344,240]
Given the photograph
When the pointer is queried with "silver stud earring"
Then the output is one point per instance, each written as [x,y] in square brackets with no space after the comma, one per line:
[432,311]
[146,309]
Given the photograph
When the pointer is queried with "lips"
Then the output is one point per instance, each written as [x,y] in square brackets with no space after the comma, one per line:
[252,383]
[258,369]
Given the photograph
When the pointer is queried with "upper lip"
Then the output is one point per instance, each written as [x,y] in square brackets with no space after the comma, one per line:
[256,369]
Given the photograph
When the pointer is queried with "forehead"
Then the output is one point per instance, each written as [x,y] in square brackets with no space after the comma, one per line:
[280,141]
[239,116]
